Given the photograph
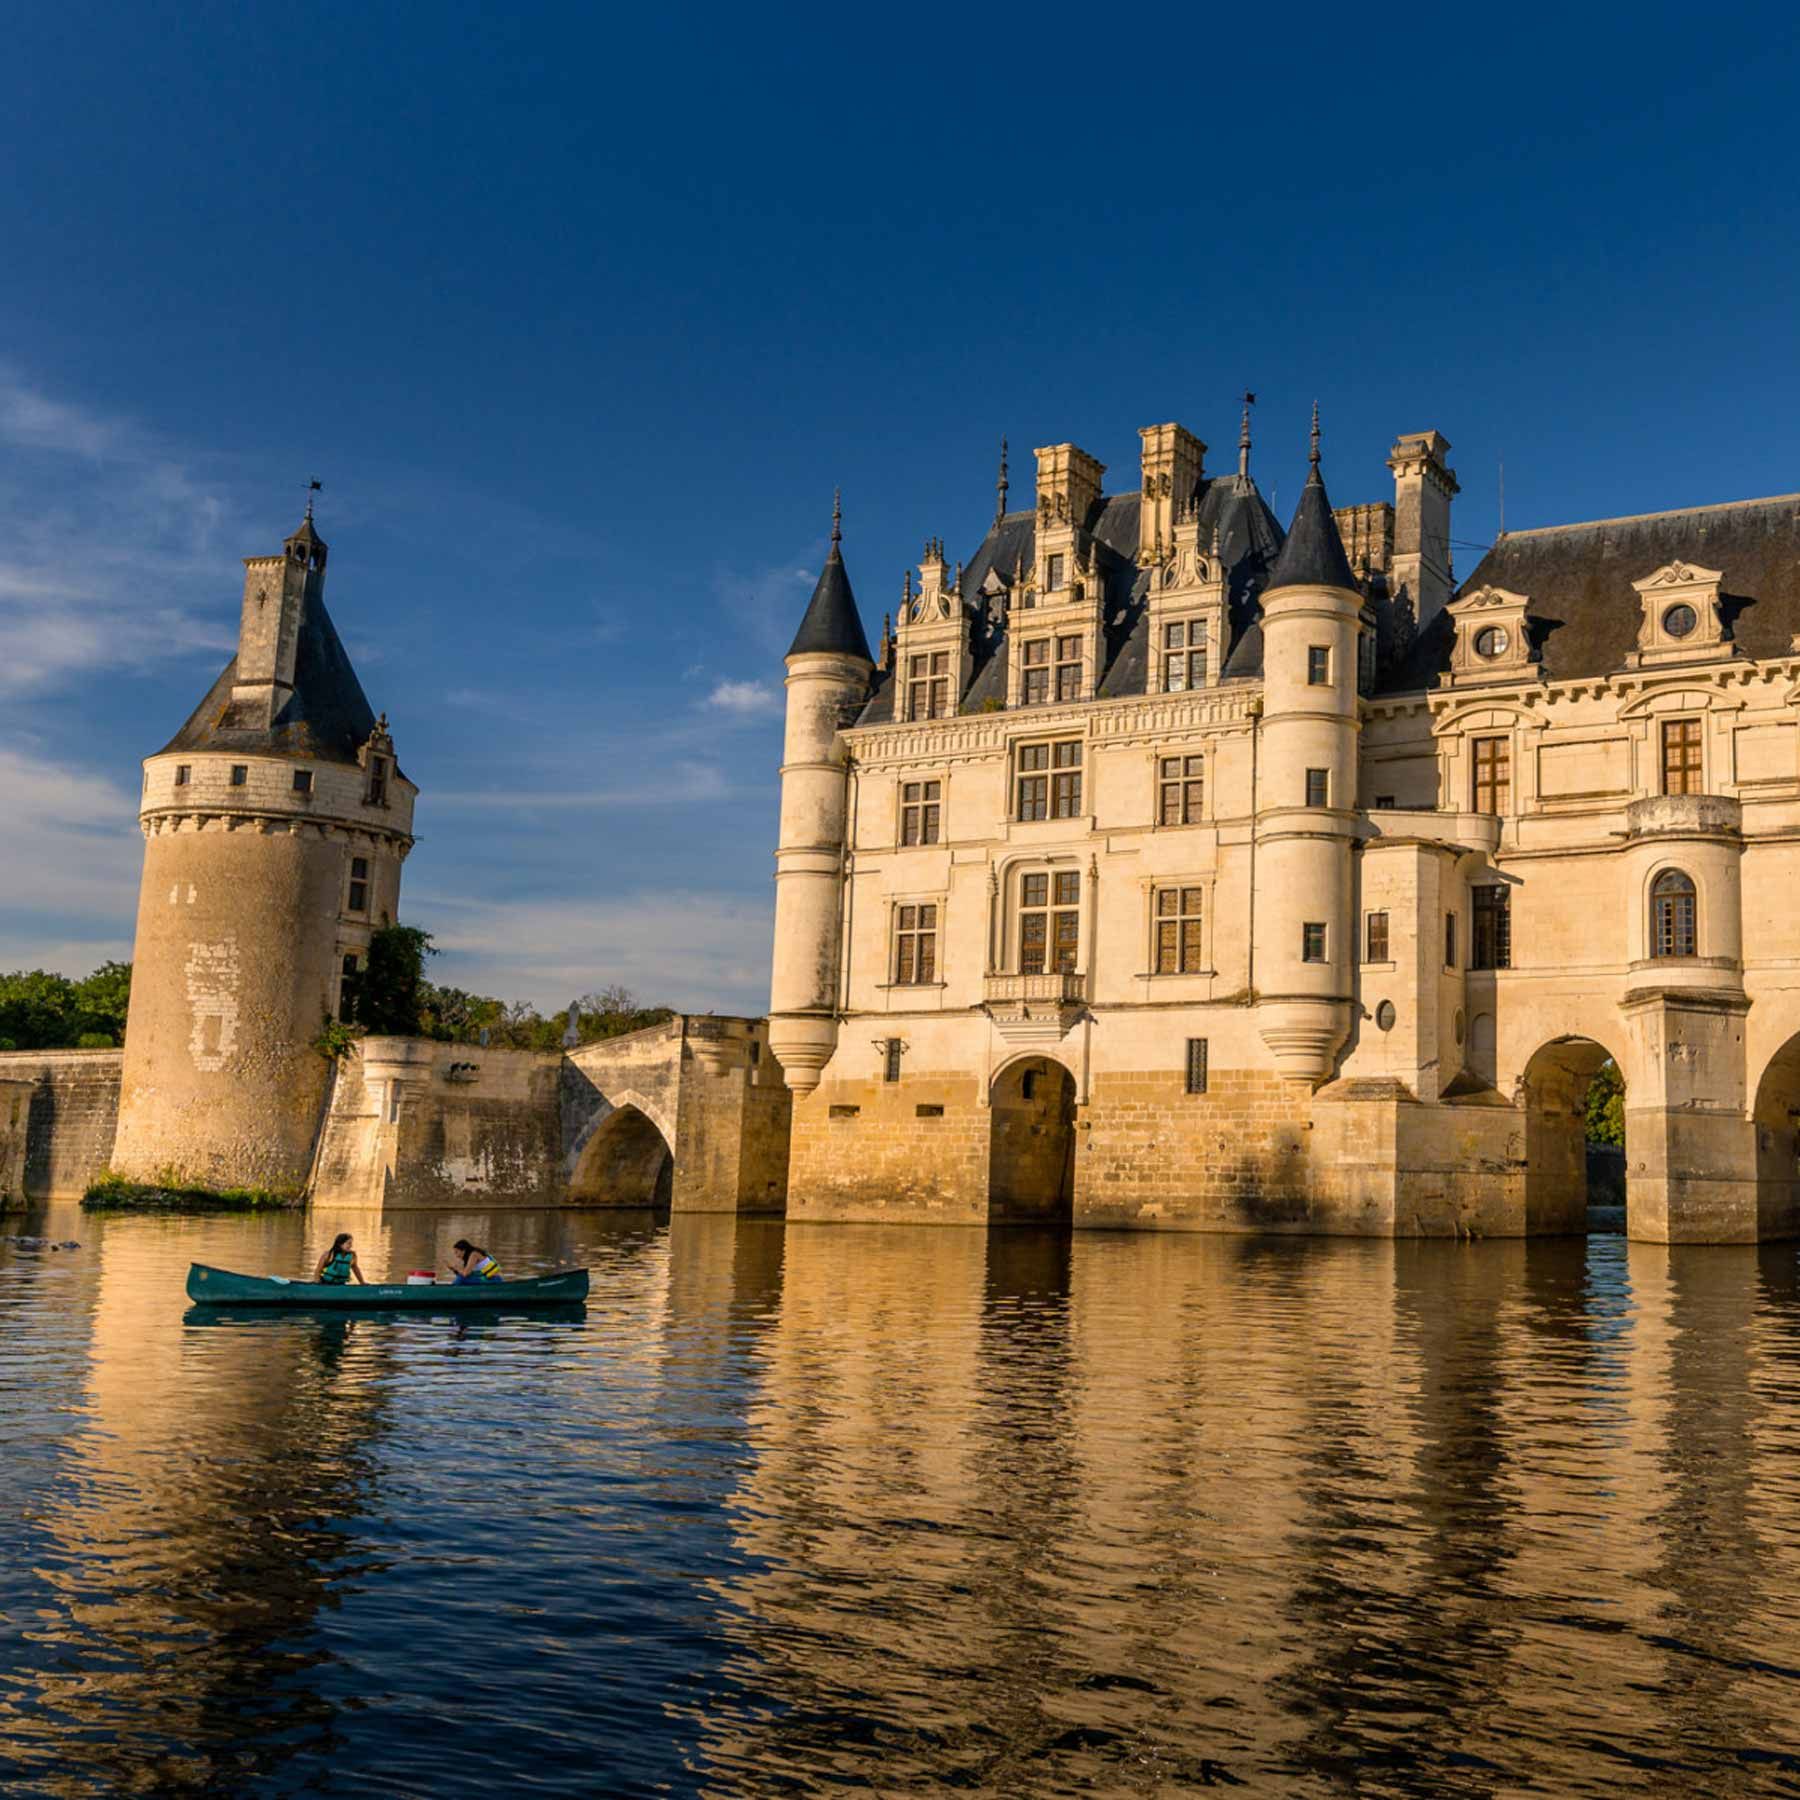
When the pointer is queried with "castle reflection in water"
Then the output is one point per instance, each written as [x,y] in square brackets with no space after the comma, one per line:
[800,1508]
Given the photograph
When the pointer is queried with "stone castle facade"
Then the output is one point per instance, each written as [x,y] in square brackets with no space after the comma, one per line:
[1164,868]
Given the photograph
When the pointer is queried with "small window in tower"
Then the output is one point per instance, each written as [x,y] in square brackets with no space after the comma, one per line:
[240,774]
[378,781]
[303,781]
[1318,787]
[1384,802]
[1377,950]
[347,991]
[1318,665]
[1312,942]
[359,884]
[1449,940]
[183,774]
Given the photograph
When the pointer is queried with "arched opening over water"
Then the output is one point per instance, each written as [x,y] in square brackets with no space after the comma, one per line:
[1776,1114]
[1574,1102]
[1031,1149]
[626,1162]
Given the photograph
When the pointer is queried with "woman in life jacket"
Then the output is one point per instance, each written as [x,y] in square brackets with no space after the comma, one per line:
[469,1262]
[338,1265]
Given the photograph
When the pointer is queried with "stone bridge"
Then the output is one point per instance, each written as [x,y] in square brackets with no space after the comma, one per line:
[692,1114]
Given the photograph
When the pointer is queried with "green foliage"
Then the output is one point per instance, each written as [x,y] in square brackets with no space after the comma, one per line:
[456,1016]
[40,1010]
[389,991]
[171,1191]
[334,1039]
[1606,1106]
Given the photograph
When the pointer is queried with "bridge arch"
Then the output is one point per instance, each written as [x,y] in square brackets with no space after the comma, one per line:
[624,1157]
[1554,1088]
[1031,1141]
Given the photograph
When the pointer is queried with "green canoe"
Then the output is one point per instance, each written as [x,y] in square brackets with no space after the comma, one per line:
[220,1287]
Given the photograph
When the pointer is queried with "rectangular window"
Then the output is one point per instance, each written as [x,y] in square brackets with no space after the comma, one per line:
[928,685]
[928,1112]
[1681,756]
[1034,781]
[1181,787]
[1049,922]
[1449,940]
[1065,782]
[378,781]
[843,1112]
[1053,572]
[1493,774]
[890,1064]
[1178,931]
[921,811]
[240,774]
[1384,802]
[1196,1065]
[1068,668]
[1034,672]
[1312,942]
[1491,944]
[915,945]
[1376,948]
[347,991]
[1318,787]
[359,884]
[1184,655]
[1318,665]
[303,781]
[184,773]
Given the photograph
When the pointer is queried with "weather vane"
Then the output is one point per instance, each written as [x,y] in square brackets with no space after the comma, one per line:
[312,487]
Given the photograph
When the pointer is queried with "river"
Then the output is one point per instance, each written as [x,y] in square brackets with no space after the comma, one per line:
[821,1510]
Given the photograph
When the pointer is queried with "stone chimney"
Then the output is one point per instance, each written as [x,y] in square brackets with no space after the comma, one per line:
[1173,462]
[1423,489]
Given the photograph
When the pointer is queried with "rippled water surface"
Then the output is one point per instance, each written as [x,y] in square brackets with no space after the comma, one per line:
[816,1510]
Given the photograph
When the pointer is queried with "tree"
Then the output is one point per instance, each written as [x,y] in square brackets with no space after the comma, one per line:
[103,1000]
[40,1010]
[390,988]
[1606,1105]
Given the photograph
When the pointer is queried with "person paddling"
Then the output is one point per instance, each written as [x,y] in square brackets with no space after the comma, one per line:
[469,1262]
[338,1264]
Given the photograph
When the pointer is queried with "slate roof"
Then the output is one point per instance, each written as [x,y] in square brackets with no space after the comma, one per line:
[327,717]
[1584,612]
[1313,555]
[831,621]
[1249,540]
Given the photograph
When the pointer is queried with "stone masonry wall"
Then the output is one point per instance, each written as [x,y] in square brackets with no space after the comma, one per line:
[73,1117]
[874,1150]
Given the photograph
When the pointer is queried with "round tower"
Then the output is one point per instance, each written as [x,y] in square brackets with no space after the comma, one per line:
[275,823]
[828,670]
[1305,936]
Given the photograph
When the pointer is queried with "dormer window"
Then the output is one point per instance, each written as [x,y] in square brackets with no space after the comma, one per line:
[1492,642]
[1054,570]
[1679,621]
[378,774]
[1184,655]
[928,685]
[1035,673]
[1068,668]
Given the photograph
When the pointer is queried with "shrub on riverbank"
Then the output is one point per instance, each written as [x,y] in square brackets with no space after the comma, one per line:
[171,1194]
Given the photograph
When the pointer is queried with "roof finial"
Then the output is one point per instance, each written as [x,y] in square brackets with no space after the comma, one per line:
[837,517]
[1244,441]
[312,487]
[1000,487]
[1314,459]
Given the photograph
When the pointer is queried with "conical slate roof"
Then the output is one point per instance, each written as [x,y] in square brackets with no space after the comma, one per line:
[1313,555]
[832,623]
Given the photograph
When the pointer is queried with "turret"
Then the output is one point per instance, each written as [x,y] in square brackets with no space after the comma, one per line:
[1306,792]
[828,670]
[275,824]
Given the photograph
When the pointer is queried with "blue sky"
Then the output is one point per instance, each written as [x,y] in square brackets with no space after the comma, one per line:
[580,314]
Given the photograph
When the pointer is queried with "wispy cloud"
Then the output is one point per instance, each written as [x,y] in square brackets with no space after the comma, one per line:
[103,534]
[69,879]
[696,951]
[767,603]
[745,699]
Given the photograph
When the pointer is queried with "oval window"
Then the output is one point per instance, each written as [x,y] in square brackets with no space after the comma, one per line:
[1678,621]
[1385,1015]
[1492,642]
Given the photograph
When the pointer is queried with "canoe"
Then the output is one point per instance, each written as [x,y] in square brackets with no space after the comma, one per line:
[220,1287]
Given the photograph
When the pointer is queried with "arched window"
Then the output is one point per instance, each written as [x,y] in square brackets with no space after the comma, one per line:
[1672,915]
